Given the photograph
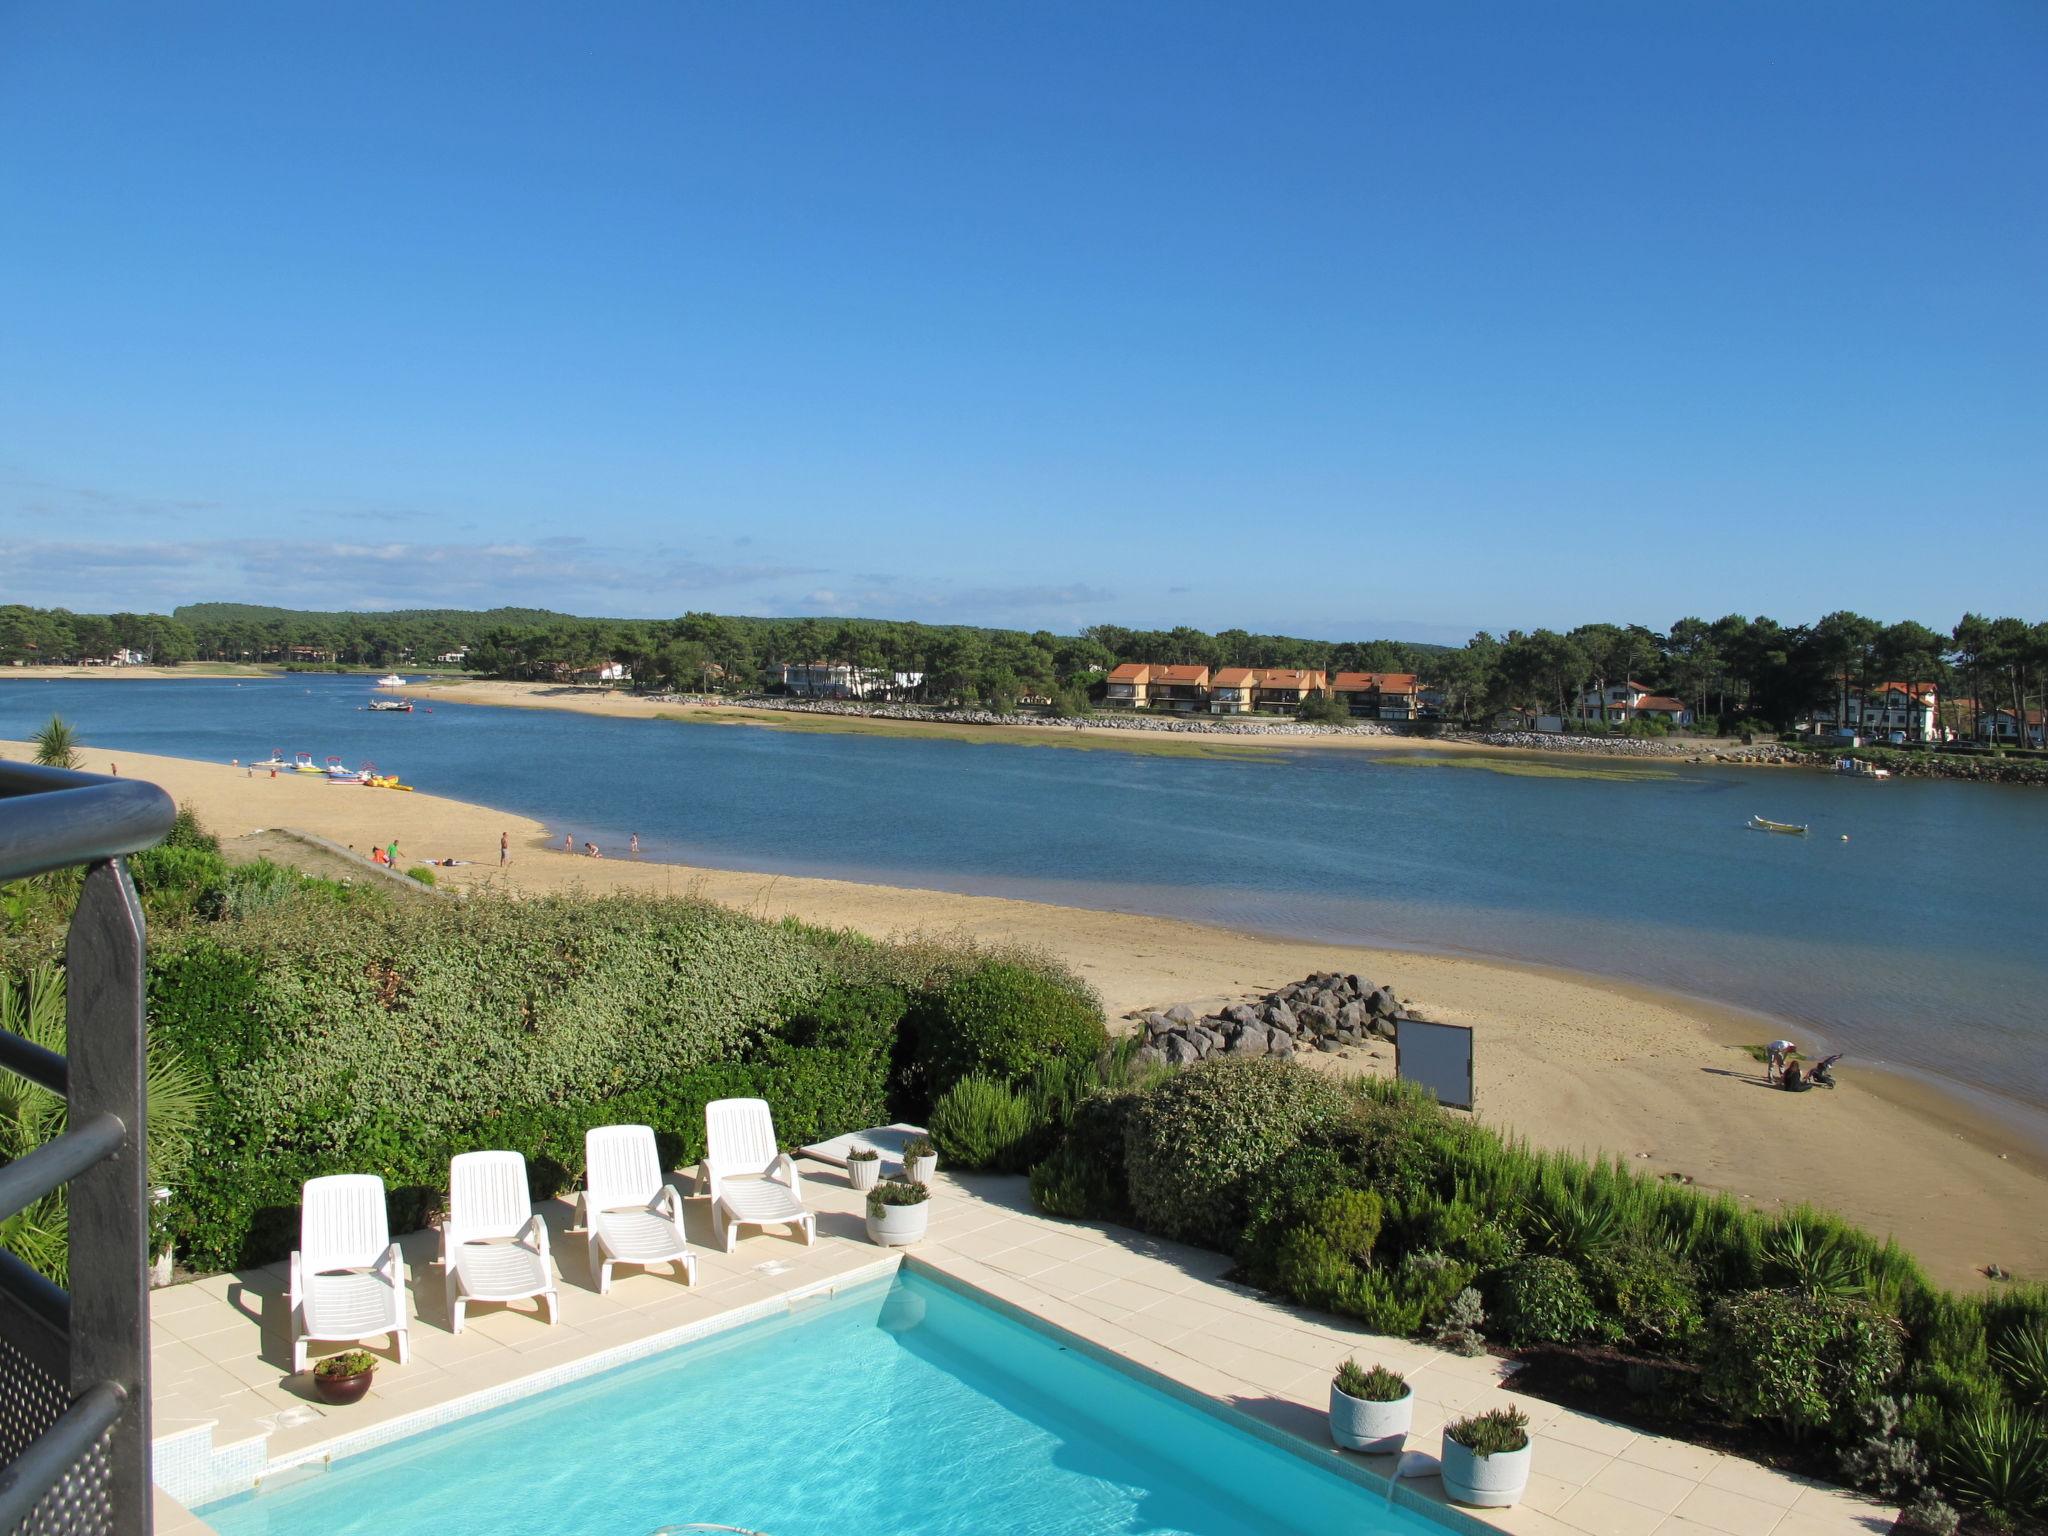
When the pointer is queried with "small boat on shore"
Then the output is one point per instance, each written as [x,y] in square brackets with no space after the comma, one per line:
[390,680]
[1858,768]
[274,762]
[1765,824]
[336,774]
[302,762]
[390,706]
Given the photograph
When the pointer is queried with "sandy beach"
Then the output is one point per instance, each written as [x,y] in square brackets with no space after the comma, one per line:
[1564,1060]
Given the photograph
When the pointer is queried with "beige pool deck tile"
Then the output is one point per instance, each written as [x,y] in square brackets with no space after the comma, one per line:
[223,1351]
[1602,1514]
[1734,1514]
[1661,1491]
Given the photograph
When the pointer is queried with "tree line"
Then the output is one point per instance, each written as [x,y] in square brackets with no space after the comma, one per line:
[1729,669]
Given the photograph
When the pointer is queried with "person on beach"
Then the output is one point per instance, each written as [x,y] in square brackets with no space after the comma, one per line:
[568,843]
[391,854]
[591,849]
[1777,1053]
[633,847]
[1791,1082]
[377,855]
[504,849]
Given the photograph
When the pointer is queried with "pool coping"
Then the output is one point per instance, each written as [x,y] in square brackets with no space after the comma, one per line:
[247,1478]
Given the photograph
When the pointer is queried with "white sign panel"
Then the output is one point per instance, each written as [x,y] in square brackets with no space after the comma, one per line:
[1437,1056]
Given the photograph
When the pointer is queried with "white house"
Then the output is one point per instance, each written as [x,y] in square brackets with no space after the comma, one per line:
[1907,711]
[603,672]
[2002,726]
[1631,700]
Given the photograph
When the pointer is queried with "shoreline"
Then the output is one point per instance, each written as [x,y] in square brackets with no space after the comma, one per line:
[1565,1060]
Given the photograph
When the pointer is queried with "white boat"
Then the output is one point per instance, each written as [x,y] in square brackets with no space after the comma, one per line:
[275,760]
[302,762]
[1857,768]
[336,774]
[390,680]
[391,706]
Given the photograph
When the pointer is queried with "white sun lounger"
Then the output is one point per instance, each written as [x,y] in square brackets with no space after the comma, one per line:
[493,1247]
[347,1279]
[750,1180]
[631,1212]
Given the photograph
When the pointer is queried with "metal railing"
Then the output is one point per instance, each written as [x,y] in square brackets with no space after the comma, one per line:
[74,1368]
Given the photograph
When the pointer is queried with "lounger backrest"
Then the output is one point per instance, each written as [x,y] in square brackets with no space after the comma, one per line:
[739,1135]
[620,1166]
[487,1195]
[342,1223]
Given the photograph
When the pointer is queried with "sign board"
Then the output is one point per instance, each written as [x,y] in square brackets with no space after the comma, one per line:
[1437,1057]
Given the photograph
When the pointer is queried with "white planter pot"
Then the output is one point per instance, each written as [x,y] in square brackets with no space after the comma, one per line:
[900,1225]
[1490,1482]
[1378,1429]
[863,1172]
[921,1170]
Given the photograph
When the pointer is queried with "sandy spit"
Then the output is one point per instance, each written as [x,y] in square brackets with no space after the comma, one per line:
[1564,1060]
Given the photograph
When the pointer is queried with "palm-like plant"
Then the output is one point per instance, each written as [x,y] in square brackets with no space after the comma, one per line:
[1813,1261]
[31,1115]
[57,744]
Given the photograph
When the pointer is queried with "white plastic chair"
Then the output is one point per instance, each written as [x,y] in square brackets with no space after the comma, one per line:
[750,1180]
[493,1247]
[631,1212]
[347,1279]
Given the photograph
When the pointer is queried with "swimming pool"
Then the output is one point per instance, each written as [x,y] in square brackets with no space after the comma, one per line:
[898,1408]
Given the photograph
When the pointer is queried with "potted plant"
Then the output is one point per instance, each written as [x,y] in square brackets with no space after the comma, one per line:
[898,1212]
[863,1167]
[1370,1411]
[920,1160]
[345,1377]
[1486,1458]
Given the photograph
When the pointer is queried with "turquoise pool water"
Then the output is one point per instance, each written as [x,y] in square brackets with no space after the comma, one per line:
[901,1408]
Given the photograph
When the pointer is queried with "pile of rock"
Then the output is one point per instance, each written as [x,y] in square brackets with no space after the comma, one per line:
[1323,1012]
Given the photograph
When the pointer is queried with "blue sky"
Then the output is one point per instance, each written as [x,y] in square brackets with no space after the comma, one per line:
[1335,320]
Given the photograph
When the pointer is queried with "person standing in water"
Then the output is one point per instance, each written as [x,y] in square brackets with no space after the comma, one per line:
[633,847]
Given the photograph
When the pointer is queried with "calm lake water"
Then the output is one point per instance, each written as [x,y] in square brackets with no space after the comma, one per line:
[1921,941]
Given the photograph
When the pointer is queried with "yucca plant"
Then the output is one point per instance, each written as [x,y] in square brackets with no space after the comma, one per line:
[2022,1355]
[31,1115]
[56,744]
[1809,1257]
[1492,1434]
[1996,1458]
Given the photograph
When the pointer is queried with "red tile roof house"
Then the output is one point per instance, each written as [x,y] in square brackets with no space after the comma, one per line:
[1631,700]
[1998,725]
[1377,695]
[1128,686]
[1184,690]
[1231,690]
[1284,688]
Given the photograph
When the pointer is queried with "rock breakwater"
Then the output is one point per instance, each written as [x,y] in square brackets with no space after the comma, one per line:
[1323,1012]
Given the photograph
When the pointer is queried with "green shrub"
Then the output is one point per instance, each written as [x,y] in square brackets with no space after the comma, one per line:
[1807,1362]
[980,1123]
[1083,1178]
[1002,1019]
[2022,1358]
[1319,1260]
[1195,1143]
[421,873]
[1651,1292]
[1542,1300]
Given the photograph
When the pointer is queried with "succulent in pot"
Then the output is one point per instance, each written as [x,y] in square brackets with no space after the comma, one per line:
[1370,1410]
[345,1377]
[1486,1458]
[863,1167]
[920,1160]
[899,1212]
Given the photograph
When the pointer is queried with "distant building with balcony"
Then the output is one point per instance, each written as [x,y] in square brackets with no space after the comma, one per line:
[1907,711]
[1377,695]
[1128,686]
[1181,690]
[1231,690]
[2001,726]
[1287,688]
